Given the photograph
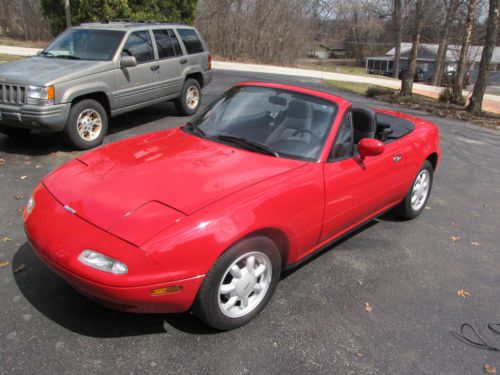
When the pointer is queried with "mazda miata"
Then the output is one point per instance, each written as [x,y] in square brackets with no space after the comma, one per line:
[207,215]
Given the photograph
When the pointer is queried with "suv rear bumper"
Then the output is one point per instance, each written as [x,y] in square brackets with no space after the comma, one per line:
[207,77]
[52,117]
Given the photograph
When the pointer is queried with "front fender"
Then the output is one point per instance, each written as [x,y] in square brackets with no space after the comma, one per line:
[291,204]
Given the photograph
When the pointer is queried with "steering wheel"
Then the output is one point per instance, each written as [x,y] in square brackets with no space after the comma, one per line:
[314,137]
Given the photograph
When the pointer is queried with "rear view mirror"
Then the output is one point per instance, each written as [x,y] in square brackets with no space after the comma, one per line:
[278,100]
[127,62]
[370,147]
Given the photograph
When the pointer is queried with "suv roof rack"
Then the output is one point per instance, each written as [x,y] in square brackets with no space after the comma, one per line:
[131,21]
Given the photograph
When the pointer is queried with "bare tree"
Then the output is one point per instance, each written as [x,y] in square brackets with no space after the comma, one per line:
[463,59]
[476,100]
[407,82]
[397,36]
[451,10]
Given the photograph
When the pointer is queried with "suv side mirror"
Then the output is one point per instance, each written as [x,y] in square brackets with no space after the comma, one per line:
[127,62]
[370,147]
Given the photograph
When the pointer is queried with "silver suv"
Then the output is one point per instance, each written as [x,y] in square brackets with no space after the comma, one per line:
[98,70]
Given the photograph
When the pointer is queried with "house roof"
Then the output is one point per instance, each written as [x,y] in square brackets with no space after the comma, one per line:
[451,54]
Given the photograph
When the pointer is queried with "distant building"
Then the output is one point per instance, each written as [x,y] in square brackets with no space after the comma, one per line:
[426,59]
[333,50]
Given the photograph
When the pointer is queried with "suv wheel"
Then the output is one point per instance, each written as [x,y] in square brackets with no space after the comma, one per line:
[87,124]
[188,103]
[14,132]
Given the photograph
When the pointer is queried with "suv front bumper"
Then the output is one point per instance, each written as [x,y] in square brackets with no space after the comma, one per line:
[52,117]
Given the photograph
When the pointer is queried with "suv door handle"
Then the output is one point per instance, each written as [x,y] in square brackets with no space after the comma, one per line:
[183,61]
[155,67]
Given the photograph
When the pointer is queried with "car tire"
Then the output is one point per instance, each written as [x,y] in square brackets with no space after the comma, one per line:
[87,124]
[415,200]
[14,132]
[189,101]
[249,293]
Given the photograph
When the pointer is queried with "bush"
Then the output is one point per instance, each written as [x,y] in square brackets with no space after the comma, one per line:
[446,95]
[374,91]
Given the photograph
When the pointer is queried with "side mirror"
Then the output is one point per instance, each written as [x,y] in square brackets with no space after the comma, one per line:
[370,147]
[127,62]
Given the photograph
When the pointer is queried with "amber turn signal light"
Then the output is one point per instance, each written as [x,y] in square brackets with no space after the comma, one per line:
[166,290]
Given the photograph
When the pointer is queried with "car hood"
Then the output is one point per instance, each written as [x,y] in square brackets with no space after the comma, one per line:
[41,71]
[174,169]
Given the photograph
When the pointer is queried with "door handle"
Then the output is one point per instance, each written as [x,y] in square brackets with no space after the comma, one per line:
[397,158]
[183,61]
[155,68]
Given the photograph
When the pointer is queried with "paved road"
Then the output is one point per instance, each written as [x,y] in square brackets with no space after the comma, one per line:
[316,323]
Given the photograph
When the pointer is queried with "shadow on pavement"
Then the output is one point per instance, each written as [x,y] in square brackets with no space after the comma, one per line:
[55,299]
[39,143]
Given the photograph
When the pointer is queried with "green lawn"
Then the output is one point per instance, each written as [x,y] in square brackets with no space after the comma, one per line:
[7,58]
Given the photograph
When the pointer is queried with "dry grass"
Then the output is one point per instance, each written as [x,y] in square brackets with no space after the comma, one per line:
[7,58]
[23,43]
[333,68]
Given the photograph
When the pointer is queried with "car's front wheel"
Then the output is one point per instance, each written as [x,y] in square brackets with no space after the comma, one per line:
[239,284]
[87,124]
[415,200]
[189,101]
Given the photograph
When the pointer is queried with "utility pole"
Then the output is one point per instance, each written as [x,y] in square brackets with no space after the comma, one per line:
[68,13]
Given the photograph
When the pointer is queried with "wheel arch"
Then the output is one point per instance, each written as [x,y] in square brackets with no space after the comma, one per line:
[277,236]
[197,76]
[433,159]
[100,96]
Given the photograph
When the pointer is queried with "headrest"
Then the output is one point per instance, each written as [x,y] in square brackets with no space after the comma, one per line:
[364,119]
[299,109]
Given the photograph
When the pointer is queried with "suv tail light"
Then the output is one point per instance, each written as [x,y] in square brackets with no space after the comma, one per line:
[209,62]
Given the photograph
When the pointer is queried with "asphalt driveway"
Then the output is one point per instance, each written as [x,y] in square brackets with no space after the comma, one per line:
[408,272]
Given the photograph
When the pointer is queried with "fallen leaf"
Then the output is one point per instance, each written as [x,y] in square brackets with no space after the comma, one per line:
[359,354]
[462,293]
[5,239]
[275,344]
[474,243]
[428,208]
[2,161]
[38,166]
[454,238]
[368,307]
[489,369]
[20,268]
[23,177]
[19,197]
[4,264]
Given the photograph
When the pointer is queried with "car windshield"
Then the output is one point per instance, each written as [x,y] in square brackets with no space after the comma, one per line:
[85,44]
[268,120]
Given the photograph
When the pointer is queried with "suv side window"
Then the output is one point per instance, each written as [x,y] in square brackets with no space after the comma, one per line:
[343,145]
[191,41]
[163,44]
[175,43]
[140,46]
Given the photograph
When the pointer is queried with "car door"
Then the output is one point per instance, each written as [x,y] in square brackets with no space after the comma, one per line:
[356,189]
[170,59]
[140,83]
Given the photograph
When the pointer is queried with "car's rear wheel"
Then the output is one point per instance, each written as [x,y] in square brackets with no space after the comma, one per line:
[415,200]
[13,132]
[189,101]
[239,284]
[87,124]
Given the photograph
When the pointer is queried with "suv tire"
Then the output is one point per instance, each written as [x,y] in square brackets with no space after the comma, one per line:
[189,101]
[14,132]
[87,124]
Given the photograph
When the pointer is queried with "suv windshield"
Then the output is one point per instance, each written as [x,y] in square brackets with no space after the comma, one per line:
[85,44]
[267,120]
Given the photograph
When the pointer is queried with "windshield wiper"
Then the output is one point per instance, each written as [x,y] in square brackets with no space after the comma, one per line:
[69,57]
[195,129]
[248,144]
[45,53]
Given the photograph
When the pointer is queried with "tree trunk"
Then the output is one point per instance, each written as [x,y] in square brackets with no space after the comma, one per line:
[476,101]
[458,85]
[443,43]
[397,37]
[407,82]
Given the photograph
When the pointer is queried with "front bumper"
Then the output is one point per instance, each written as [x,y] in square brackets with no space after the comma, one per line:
[58,236]
[52,118]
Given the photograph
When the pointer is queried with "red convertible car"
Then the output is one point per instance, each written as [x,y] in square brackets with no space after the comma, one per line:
[205,216]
